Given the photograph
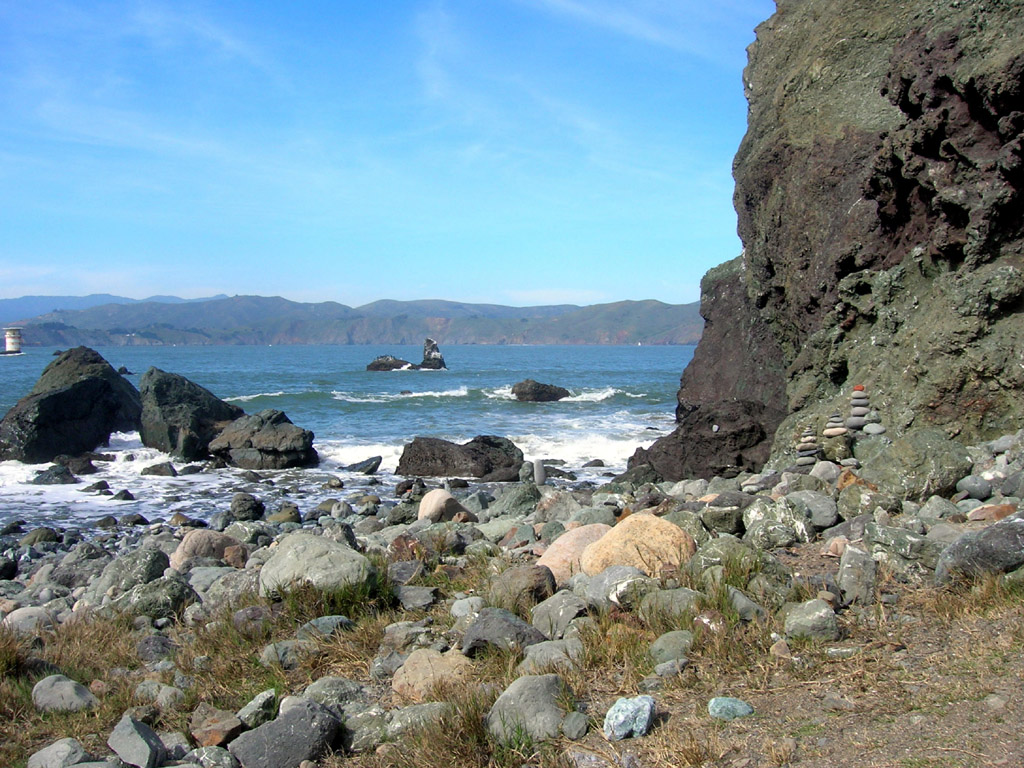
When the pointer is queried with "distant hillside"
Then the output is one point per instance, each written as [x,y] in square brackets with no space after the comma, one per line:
[16,310]
[273,320]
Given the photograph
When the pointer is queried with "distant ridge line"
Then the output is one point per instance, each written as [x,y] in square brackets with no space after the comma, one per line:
[275,320]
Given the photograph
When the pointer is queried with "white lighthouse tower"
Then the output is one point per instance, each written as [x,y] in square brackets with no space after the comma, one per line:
[12,338]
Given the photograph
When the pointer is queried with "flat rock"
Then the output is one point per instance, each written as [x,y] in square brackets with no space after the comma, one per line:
[426,669]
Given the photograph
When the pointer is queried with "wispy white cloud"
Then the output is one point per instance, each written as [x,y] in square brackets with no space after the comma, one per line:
[681,25]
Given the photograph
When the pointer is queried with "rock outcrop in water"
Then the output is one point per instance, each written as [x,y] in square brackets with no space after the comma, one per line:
[878,190]
[77,403]
[433,360]
[485,456]
[179,416]
[265,440]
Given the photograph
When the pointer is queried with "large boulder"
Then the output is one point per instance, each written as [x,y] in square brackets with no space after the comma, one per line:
[265,440]
[179,416]
[486,457]
[78,401]
[996,549]
[323,563]
[643,541]
[530,391]
[563,556]
[921,464]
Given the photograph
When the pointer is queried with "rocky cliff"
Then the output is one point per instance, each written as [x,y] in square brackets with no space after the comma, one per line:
[878,190]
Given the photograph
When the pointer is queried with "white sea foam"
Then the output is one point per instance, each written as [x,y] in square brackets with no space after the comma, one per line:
[390,397]
[594,396]
[247,398]
[500,393]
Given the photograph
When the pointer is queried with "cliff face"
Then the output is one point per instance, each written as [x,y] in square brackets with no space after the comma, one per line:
[879,195]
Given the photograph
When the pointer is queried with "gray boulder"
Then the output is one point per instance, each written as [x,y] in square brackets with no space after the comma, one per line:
[814,620]
[78,401]
[498,628]
[530,705]
[135,743]
[629,717]
[265,440]
[315,560]
[58,693]
[180,417]
[306,731]
[999,548]
[487,457]
[922,463]
[857,576]
[60,754]
[433,360]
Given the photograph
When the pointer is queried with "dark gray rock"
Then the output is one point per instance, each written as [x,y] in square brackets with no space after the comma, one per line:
[498,628]
[389,363]
[922,463]
[180,417]
[78,401]
[246,507]
[162,469]
[433,360]
[306,731]
[530,391]
[58,474]
[531,704]
[486,457]
[265,440]
[367,467]
[999,548]
[135,743]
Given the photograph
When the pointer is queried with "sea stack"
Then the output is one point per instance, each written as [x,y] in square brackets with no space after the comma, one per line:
[432,358]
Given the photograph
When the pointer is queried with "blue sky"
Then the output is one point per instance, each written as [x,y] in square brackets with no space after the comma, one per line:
[504,151]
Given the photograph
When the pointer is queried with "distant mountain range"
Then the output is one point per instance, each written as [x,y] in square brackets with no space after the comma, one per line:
[101,320]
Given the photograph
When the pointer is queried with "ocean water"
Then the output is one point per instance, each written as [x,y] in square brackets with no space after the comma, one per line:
[622,398]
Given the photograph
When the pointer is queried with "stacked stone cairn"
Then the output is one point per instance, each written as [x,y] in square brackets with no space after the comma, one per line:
[862,418]
[807,450]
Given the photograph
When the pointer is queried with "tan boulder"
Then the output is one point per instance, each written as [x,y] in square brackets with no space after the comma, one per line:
[563,556]
[201,542]
[643,541]
[439,506]
[419,678]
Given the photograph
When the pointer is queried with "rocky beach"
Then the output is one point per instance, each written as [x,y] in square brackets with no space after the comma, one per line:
[573,619]
[820,566]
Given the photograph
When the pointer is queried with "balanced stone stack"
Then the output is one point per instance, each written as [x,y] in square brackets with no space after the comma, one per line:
[834,427]
[807,450]
[862,418]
